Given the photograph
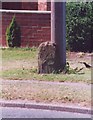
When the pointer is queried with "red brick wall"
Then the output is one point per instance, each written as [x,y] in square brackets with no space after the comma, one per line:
[20,5]
[27,5]
[35,27]
[49,6]
[11,5]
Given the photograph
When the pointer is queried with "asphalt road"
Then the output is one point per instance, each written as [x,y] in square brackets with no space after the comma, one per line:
[10,112]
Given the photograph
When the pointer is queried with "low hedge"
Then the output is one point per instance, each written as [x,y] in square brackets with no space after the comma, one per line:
[79,26]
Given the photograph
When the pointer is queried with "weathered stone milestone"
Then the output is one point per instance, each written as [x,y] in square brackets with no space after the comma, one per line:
[46,57]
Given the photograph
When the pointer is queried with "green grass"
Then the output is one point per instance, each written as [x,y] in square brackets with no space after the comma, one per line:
[21,63]
[32,74]
[11,54]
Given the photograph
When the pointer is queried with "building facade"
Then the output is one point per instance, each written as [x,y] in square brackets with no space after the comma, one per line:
[35,25]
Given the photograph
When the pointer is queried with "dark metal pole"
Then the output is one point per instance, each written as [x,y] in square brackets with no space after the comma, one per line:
[58,30]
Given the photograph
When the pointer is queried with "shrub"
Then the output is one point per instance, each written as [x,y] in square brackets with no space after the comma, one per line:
[13,34]
[79,22]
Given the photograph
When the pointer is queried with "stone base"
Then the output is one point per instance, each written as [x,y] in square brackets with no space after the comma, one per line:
[47,58]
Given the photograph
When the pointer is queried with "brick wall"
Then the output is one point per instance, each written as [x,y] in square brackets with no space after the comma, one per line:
[49,6]
[20,5]
[35,27]
[27,5]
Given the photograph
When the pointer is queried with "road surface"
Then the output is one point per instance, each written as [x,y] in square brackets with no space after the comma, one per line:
[10,112]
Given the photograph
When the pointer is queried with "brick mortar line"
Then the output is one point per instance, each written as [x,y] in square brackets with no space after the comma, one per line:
[47,107]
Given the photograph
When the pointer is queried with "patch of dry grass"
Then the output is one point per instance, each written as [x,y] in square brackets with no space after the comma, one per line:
[50,93]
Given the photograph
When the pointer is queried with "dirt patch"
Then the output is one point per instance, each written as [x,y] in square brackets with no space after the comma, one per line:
[18,64]
[75,58]
[72,57]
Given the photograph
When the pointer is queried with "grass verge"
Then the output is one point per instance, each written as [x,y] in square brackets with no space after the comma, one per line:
[31,74]
[21,63]
[47,93]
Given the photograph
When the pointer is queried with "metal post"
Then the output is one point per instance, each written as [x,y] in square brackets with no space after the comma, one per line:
[58,30]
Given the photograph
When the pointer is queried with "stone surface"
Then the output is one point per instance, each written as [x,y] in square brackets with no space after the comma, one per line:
[47,57]
[42,5]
